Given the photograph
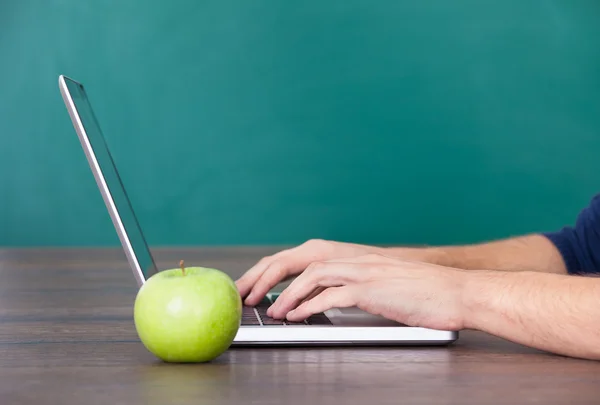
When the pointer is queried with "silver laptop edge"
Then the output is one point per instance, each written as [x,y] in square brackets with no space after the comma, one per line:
[98,175]
[349,326]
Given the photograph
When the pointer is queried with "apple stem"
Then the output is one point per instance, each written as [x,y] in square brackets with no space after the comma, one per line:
[181,264]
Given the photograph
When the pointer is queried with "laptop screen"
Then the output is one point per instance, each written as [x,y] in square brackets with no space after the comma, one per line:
[125,214]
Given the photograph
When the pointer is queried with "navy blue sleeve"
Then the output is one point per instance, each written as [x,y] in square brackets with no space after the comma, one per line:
[579,244]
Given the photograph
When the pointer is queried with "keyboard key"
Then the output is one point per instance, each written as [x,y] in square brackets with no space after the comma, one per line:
[262,310]
[250,317]
[251,322]
[271,322]
[318,319]
[290,323]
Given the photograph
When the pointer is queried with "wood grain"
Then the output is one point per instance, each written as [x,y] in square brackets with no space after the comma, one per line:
[67,336]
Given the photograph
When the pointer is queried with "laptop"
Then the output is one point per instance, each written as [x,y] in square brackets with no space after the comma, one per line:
[338,326]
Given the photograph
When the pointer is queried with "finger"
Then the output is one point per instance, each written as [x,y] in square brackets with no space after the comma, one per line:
[316,292]
[335,297]
[319,274]
[278,271]
[312,295]
[282,266]
[279,311]
[247,280]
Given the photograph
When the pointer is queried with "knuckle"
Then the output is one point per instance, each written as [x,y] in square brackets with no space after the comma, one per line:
[283,254]
[373,256]
[329,294]
[267,258]
[277,269]
[264,261]
[314,268]
[311,267]
[315,243]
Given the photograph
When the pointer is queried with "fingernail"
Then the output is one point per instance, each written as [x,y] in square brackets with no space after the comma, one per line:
[249,299]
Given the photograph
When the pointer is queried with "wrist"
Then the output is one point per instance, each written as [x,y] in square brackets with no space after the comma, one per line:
[494,297]
[480,289]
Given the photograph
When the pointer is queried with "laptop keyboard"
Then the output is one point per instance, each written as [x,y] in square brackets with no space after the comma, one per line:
[257,316]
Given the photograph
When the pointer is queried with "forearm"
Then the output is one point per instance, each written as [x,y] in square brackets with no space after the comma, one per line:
[551,312]
[526,253]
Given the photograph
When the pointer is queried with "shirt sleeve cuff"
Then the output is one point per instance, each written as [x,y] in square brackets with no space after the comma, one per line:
[562,240]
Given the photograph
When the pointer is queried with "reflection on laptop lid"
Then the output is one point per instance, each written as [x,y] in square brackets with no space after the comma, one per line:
[112,190]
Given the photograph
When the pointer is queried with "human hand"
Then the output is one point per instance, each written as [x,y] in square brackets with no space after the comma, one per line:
[271,270]
[412,293]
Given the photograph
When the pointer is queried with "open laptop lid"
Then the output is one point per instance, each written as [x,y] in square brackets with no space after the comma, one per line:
[108,180]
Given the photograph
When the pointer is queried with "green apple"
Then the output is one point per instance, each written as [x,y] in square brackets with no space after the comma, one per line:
[188,315]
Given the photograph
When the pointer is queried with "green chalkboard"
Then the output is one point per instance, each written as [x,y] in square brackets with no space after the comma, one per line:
[267,122]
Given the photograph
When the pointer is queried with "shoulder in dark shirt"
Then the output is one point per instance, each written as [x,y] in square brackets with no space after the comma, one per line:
[579,244]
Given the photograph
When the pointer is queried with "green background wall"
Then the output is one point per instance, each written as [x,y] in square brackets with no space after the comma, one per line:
[247,122]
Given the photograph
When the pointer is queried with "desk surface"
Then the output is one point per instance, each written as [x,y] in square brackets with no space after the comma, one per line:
[67,336]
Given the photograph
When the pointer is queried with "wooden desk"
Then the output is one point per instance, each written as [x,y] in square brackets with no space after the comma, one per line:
[67,337]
